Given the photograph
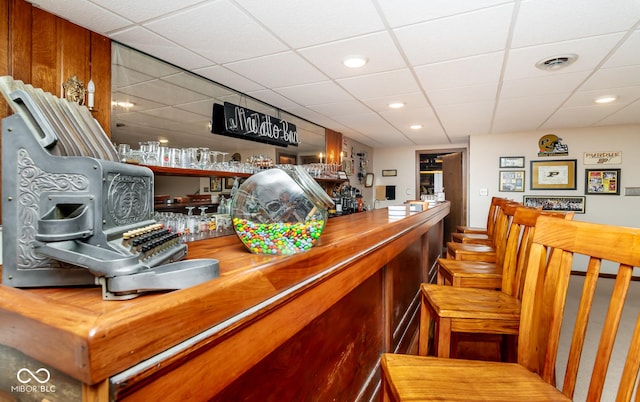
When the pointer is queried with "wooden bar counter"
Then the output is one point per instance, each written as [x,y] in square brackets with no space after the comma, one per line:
[306,327]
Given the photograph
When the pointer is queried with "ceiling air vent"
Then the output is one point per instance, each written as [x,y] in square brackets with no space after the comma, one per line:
[556,62]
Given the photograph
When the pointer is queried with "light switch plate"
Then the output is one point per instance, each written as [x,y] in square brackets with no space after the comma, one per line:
[632,191]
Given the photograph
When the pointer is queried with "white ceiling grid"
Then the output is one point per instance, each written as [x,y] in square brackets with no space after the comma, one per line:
[462,67]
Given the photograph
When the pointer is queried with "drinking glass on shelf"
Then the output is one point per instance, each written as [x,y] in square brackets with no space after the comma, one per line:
[153,149]
[214,159]
[203,158]
[224,165]
[123,152]
[175,157]
[144,152]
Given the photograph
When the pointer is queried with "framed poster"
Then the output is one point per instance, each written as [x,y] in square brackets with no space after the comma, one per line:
[552,203]
[511,180]
[602,181]
[512,162]
[389,172]
[553,175]
[216,184]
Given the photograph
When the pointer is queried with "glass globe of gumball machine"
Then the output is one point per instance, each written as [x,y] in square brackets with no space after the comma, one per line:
[280,211]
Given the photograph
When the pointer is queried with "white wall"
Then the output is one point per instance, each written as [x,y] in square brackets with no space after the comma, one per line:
[485,151]
[402,159]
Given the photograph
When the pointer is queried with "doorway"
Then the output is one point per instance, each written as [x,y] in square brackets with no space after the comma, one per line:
[444,169]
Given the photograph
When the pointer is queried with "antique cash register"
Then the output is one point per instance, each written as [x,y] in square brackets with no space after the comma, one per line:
[72,214]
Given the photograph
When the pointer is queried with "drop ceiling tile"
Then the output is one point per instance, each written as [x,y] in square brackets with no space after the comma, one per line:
[548,21]
[274,98]
[361,138]
[613,78]
[468,71]
[84,13]
[434,136]
[466,119]
[387,140]
[420,10]
[625,96]
[584,116]
[139,11]
[590,51]
[402,119]
[200,28]
[311,22]
[340,108]
[412,101]
[150,43]
[378,48]
[278,70]
[314,94]
[390,83]
[456,37]
[627,54]
[551,84]
[627,115]
[228,78]
[471,94]
[525,113]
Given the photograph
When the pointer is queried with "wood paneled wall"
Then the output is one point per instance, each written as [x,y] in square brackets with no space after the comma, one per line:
[43,50]
[333,141]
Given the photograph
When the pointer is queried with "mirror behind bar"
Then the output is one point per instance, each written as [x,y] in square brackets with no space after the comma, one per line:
[173,104]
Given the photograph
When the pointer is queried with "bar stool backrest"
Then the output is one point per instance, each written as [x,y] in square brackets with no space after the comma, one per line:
[555,244]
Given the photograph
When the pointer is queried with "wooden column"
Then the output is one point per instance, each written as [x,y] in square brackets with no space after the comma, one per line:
[333,141]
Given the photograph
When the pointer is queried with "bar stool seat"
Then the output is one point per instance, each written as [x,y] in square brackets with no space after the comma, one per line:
[469,274]
[461,380]
[466,310]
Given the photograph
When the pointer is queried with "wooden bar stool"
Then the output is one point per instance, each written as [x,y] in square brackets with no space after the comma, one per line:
[480,252]
[465,234]
[491,218]
[556,243]
[487,275]
[481,311]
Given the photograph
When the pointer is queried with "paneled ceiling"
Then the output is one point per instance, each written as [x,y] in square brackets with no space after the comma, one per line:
[461,67]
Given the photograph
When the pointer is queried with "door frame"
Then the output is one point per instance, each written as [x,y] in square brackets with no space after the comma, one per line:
[465,155]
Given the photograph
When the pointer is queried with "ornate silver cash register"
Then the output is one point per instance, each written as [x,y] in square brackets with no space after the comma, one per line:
[72,214]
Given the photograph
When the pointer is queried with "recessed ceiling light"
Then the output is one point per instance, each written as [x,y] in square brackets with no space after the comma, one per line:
[355,61]
[415,126]
[556,62]
[605,99]
[396,105]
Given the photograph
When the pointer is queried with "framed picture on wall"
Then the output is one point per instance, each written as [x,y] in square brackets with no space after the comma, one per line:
[511,180]
[512,162]
[561,203]
[553,175]
[216,184]
[602,181]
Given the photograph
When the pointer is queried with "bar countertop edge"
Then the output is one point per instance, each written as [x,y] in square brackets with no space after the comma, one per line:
[97,339]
